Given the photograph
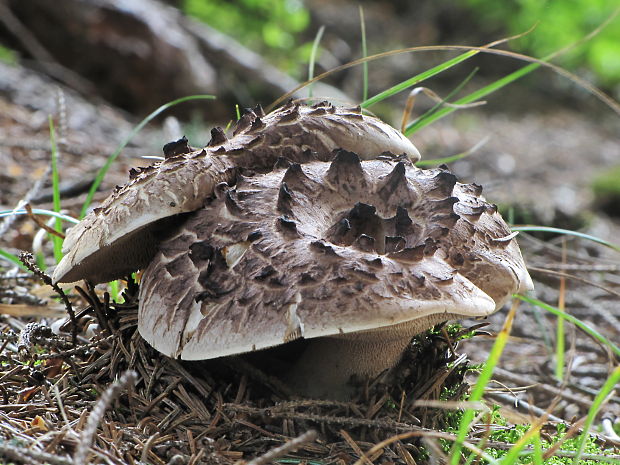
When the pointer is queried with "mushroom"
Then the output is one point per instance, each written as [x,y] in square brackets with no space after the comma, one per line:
[121,235]
[356,256]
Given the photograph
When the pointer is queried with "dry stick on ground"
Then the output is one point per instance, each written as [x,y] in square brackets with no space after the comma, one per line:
[40,223]
[576,278]
[31,456]
[522,405]
[545,387]
[28,261]
[353,445]
[285,448]
[88,433]
[91,297]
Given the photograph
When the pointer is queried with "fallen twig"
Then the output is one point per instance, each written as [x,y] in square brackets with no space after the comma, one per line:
[285,448]
[28,261]
[88,433]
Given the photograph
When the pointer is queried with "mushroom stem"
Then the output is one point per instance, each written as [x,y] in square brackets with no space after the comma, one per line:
[328,363]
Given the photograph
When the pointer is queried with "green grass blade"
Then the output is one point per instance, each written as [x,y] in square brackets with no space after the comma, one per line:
[537,455]
[237,111]
[102,172]
[417,79]
[560,349]
[441,161]
[560,340]
[453,92]
[364,55]
[56,241]
[481,383]
[12,258]
[474,96]
[568,232]
[114,286]
[425,121]
[609,386]
[452,158]
[312,61]
[568,317]
[512,456]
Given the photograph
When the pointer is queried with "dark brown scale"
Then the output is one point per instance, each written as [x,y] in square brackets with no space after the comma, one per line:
[409,254]
[394,244]
[177,147]
[356,116]
[445,183]
[323,103]
[365,243]
[345,171]
[322,247]
[473,212]
[231,204]
[282,163]
[258,140]
[295,177]
[218,137]
[284,199]
[258,109]
[318,112]
[245,122]
[447,220]
[287,225]
[290,117]
[374,263]
[257,125]
[395,184]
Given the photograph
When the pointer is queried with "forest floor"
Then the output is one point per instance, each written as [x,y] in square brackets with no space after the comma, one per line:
[541,163]
[538,165]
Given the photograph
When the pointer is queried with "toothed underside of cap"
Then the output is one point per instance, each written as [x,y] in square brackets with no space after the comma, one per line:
[96,248]
[323,249]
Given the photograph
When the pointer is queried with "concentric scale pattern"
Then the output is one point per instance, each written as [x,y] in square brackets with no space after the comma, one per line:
[326,248]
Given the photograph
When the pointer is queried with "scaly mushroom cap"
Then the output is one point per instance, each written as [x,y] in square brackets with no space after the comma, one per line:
[122,234]
[326,249]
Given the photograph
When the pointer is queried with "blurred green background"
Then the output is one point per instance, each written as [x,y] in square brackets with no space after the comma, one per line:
[280,28]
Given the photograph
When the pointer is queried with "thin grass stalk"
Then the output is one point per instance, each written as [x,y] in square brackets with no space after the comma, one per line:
[568,232]
[56,241]
[559,333]
[364,55]
[12,258]
[513,453]
[312,61]
[452,158]
[480,93]
[421,122]
[483,380]
[412,81]
[598,402]
[102,172]
[537,455]
[39,211]
[577,322]
[438,105]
